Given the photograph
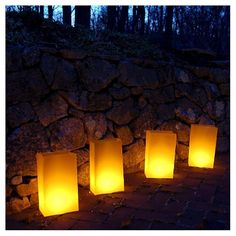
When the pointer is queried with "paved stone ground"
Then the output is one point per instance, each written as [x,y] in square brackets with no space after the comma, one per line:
[195,199]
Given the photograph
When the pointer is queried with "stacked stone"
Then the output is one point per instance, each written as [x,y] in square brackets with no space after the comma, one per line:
[61,99]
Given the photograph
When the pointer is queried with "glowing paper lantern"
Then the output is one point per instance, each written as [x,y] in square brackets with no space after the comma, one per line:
[160,154]
[202,146]
[106,166]
[57,182]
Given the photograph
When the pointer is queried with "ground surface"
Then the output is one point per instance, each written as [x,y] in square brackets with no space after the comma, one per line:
[195,199]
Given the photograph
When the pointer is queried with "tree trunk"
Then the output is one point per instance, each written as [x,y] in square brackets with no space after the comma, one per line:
[148,28]
[66,15]
[111,18]
[123,21]
[161,20]
[168,27]
[135,19]
[50,13]
[41,11]
[82,16]
[141,14]
[76,16]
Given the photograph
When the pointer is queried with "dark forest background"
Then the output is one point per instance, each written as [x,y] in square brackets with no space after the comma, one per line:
[171,27]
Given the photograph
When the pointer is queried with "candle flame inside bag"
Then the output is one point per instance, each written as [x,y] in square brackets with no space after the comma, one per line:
[106,166]
[160,154]
[57,182]
[202,146]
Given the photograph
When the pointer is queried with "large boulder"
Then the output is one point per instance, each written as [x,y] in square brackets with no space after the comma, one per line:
[142,102]
[88,101]
[125,134]
[110,126]
[179,128]
[19,114]
[22,145]
[25,86]
[67,133]
[162,95]
[31,56]
[193,92]
[119,93]
[123,112]
[48,67]
[216,110]
[183,76]
[95,125]
[196,54]
[133,75]
[95,101]
[24,190]
[212,90]
[200,72]
[24,167]
[17,205]
[65,76]
[74,54]
[136,91]
[187,111]
[148,119]
[165,75]
[217,75]
[165,111]
[97,74]
[225,89]
[205,120]
[134,156]
[14,59]
[51,109]
[16,180]
[48,50]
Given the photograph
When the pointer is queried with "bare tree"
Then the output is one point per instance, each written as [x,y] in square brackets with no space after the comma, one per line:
[66,15]
[161,20]
[111,15]
[138,23]
[168,27]
[141,16]
[123,19]
[50,13]
[82,16]
[41,11]
[135,19]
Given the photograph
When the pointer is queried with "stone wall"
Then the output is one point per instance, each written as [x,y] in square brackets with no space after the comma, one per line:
[60,99]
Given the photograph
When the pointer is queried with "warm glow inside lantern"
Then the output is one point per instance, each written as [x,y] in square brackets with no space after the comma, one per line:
[202,146]
[160,154]
[106,166]
[57,182]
